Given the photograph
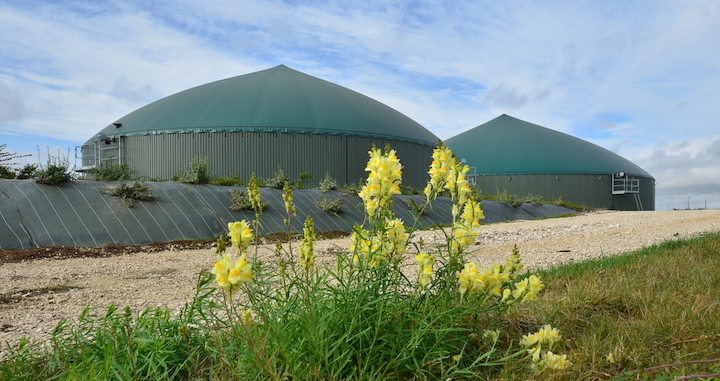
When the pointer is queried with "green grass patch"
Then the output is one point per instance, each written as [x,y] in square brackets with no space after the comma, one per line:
[653,307]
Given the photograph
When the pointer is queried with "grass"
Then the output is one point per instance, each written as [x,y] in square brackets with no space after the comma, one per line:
[653,307]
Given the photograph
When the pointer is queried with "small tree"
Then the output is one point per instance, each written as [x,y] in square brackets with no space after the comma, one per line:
[8,156]
[6,172]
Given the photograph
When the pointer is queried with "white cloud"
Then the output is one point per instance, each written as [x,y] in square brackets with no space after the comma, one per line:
[632,77]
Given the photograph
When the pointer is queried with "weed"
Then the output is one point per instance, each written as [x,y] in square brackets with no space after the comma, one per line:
[26,172]
[55,171]
[138,191]
[330,205]
[228,181]
[278,180]
[414,206]
[241,201]
[111,171]
[303,180]
[195,173]
[328,183]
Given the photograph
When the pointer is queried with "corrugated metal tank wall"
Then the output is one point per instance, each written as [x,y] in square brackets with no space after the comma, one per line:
[592,190]
[242,153]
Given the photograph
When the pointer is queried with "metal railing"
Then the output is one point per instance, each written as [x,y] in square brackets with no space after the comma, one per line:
[622,184]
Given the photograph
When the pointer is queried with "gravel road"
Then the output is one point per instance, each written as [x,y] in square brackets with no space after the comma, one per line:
[36,294]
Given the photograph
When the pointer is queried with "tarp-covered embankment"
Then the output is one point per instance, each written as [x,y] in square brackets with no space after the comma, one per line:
[82,213]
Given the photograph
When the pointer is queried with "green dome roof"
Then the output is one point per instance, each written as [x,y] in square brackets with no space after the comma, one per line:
[506,145]
[279,99]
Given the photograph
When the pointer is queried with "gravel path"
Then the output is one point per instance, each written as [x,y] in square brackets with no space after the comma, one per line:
[35,295]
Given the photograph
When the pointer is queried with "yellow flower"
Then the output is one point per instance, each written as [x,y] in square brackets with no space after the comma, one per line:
[375,248]
[527,289]
[394,238]
[514,264]
[491,335]
[548,335]
[360,245]
[464,229]
[288,199]
[231,273]
[222,269]
[555,362]
[529,340]
[240,235]
[442,160]
[468,278]
[610,358]
[383,181]
[254,194]
[457,184]
[535,285]
[472,214]
[307,246]
[535,353]
[425,263]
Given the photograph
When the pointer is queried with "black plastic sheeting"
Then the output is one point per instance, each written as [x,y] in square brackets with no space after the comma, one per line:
[81,213]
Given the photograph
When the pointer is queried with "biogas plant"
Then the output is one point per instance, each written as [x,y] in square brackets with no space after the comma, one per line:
[280,118]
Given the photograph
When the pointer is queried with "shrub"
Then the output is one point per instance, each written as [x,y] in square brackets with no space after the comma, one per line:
[130,193]
[328,183]
[303,180]
[241,201]
[278,181]
[228,181]
[414,206]
[195,173]
[6,172]
[514,200]
[26,172]
[55,170]
[352,188]
[110,171]
[509,199]
[330,205]
[410,191]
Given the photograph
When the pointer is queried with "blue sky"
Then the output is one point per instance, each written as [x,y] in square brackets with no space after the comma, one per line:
[640,78]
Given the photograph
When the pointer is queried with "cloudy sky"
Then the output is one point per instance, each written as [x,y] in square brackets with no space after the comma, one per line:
[640,78]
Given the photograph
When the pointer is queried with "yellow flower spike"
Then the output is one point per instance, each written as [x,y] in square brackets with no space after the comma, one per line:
[457,184]
[288,199]
[307,246]
[425,271]
[383,181]
[254,194]
[442,159]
